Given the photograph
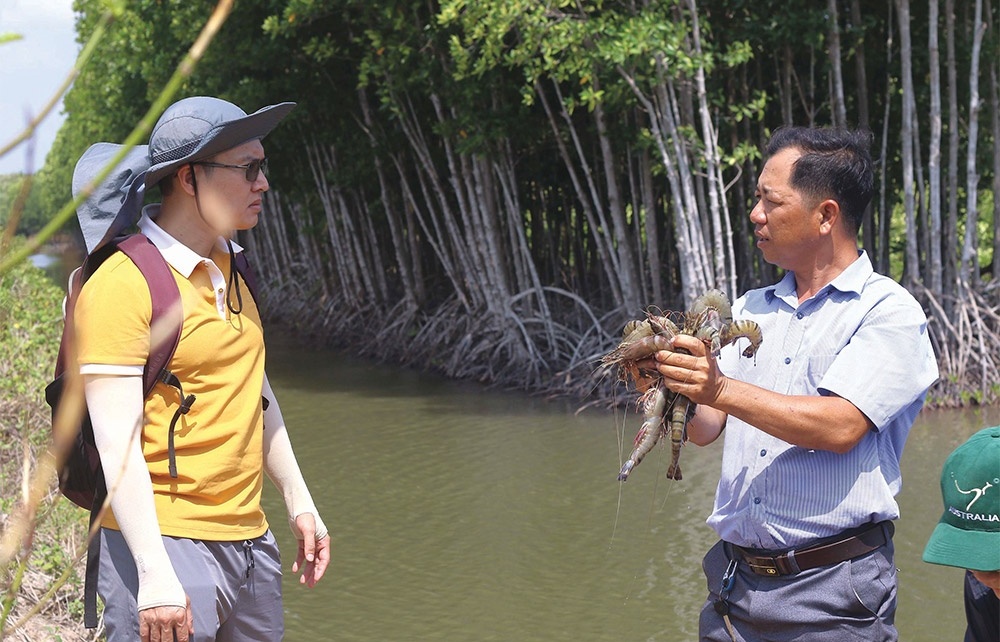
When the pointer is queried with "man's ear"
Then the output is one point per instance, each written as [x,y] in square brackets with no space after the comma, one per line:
[185,179]
[829,211]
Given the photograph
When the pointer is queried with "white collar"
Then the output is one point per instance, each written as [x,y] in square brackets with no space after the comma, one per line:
[179,256]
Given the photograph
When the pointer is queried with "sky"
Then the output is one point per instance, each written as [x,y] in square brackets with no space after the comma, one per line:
[31,71]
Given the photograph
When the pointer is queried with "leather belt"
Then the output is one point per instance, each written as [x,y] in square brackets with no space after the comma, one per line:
[824,554]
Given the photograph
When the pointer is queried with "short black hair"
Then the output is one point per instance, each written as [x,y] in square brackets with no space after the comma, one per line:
[835,163]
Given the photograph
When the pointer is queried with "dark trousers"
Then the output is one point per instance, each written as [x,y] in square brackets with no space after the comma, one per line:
[982,612]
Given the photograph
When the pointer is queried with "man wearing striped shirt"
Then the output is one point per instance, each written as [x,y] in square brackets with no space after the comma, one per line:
[815,425]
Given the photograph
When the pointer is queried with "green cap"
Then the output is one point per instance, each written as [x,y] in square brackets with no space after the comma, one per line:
[968,534]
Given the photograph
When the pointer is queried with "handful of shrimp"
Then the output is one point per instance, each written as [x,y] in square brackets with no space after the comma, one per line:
[711,320]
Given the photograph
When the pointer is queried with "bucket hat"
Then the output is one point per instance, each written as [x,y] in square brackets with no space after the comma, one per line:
[201,126]
[114,204]
[968,534]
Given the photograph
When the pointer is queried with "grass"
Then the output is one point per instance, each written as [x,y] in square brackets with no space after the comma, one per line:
[34,605]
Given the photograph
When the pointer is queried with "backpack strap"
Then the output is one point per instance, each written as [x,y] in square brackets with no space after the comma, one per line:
[72,289]
[164,294]
[247,272]
[93,557]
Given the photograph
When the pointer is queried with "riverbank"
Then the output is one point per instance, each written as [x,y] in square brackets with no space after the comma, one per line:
[559,356]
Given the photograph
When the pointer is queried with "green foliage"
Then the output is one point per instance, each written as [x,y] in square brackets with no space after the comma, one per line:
[753,110]
[593,51]
[32,216]
[10,186]
[48,558]
[30,327]
[469,76]
[481,59]
[580,45]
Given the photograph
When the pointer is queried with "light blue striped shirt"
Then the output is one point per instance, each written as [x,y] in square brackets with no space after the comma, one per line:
[862,337]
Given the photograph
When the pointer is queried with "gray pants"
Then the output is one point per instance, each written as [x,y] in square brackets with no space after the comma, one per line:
[852,600]
[235,588]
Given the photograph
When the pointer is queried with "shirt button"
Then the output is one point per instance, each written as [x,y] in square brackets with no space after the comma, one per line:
[788,360]
[756,500]
[798,315]
[220,290]
[763,452]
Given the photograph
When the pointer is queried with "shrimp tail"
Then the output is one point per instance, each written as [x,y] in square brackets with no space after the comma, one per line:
[678,435]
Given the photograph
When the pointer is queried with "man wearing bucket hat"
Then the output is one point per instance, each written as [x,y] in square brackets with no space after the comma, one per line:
[186,551]
[968,534]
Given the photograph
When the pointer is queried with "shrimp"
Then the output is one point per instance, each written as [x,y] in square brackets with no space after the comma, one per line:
[678,434]
[654,404]
[710,320]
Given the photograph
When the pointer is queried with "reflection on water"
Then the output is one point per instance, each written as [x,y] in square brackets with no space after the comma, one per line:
[464,514]
[58,265]
[43,261]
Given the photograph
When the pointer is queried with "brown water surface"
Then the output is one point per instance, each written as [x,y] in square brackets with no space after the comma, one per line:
[462,514]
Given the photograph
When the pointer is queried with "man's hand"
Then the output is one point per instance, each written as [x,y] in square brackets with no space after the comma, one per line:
[691,370]
[166,623]
[314,551]
[644,372]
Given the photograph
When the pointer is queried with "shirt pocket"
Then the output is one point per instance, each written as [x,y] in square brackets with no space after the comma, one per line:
[816,367]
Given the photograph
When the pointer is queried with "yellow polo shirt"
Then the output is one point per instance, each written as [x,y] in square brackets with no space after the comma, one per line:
[220,360]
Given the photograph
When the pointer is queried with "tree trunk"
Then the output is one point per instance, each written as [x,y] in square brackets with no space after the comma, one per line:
[616,211]
[402,235]
[970,266]
[884,215]
[585,191]
[950,276]
[720,224]
[911,269]
[864,120]
[651,230]
[787,71]
[664,128]
[838,107]
[934,162]
[994,67]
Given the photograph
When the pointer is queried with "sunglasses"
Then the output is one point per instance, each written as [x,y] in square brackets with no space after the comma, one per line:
[253,168]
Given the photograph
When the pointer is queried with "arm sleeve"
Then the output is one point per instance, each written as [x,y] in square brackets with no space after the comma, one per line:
[116,409]
[283,469]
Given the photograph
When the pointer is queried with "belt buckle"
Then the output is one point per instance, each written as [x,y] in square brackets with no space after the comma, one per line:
[763,565]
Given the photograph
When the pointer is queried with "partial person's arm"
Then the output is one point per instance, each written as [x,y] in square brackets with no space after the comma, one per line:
[819,422]
[116,410]
[303,517]
[706,425]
